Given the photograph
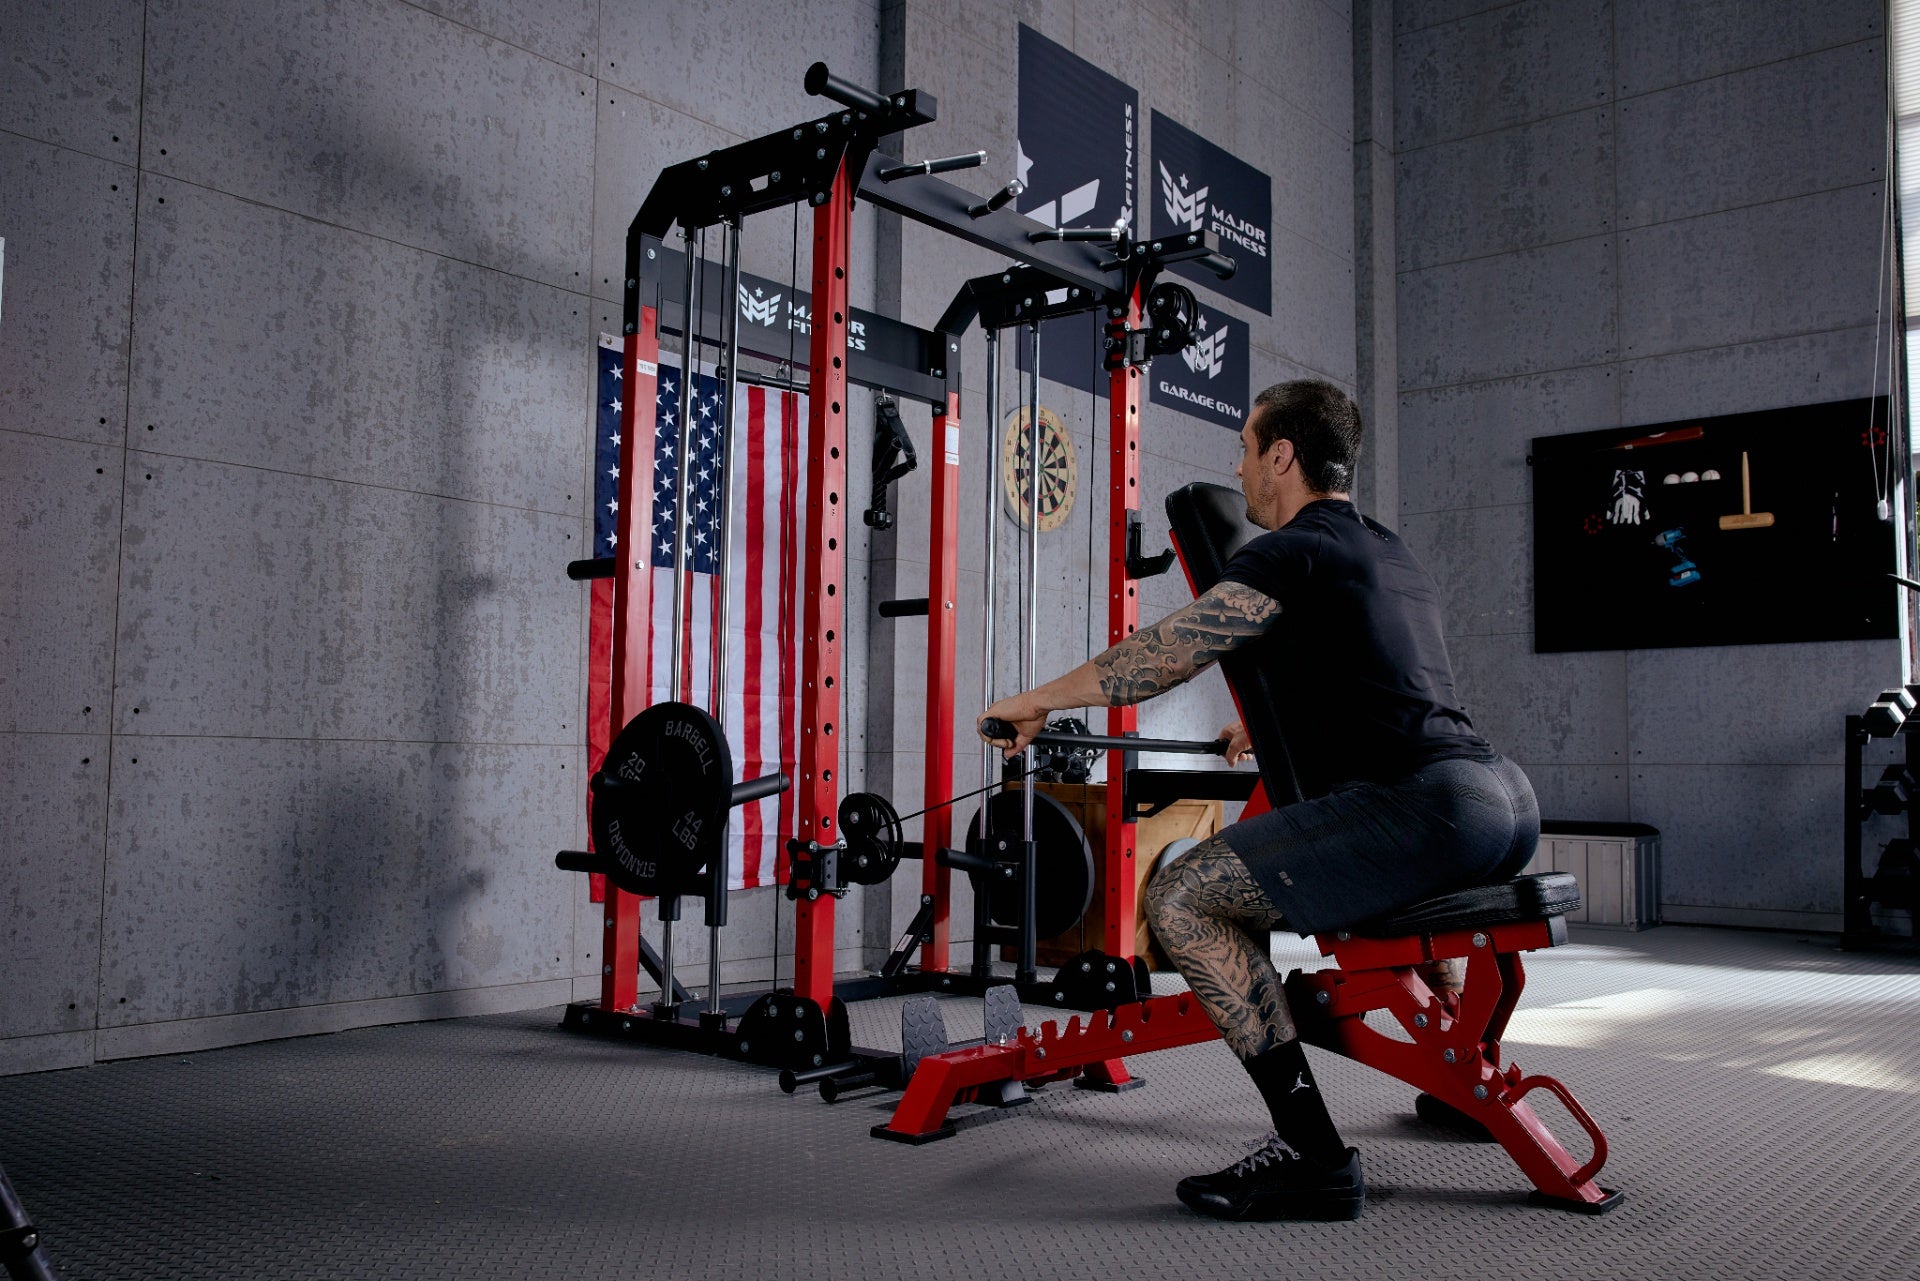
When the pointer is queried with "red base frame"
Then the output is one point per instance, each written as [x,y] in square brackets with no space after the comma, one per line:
[1454,1054]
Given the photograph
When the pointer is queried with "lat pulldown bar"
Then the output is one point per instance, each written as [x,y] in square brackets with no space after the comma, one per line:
[998,731]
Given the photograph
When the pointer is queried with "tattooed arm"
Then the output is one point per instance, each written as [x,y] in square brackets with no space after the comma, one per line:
[1151,661]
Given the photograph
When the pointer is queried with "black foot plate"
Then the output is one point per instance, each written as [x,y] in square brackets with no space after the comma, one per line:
[1612,1198]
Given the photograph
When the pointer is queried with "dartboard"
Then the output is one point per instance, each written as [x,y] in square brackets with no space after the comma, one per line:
[1059,469]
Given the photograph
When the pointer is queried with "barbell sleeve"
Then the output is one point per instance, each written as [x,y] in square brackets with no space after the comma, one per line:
[822,83]
[756,789]
[1219,264]
[581,570]
[995,729]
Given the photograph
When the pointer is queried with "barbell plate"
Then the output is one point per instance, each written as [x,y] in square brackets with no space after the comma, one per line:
[1063,884]
[658,829]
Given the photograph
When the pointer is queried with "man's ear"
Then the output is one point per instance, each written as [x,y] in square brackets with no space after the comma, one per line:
[1281,457]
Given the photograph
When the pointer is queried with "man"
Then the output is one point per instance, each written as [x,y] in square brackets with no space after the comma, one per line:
[1403,799]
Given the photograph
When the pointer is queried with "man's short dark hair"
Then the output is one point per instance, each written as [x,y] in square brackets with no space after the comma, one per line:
[1323,424]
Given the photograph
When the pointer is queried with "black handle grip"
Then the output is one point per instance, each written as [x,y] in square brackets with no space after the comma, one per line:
[756,789]
[576,861]
[822,83]
[1219,264]
[581,570]
[994,729]
[911,607]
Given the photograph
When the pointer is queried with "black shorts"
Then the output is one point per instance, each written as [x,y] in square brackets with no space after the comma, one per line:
[1365,849]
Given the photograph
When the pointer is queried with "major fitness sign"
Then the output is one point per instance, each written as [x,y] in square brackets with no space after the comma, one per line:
[1199,187]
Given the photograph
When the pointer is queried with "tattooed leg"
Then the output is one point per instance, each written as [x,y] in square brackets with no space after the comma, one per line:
[1212,917]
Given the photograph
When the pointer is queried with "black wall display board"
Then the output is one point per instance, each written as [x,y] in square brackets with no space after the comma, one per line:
[1079,154]
[1210,379]
[1198,186]
[1745,529]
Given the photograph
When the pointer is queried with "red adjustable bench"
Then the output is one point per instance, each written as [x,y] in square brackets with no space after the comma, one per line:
[1452,1042]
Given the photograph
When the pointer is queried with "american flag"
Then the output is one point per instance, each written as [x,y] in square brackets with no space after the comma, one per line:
[760,709]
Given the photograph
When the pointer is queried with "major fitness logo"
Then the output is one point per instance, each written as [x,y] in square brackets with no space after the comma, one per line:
[1208,354]
[1204,188]
[758,307]
[1187,208]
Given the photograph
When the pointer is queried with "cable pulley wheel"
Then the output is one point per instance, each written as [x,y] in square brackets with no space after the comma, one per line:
[1063,863]
[871,828]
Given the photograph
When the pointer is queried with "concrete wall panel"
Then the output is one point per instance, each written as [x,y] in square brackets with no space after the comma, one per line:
[1692,707]
[1467,445]
[737,64]
[1313,296]
[1745,836]
[1663,44]
[1566,708]
[1673,276]
[1312,171]
[53,807]
[1520,188]
[1520,313]
[1499,68]
[565,31]
[1482,560]
[1304,60]
[59,566]
[1761,153]
[71,75]
[68,223]
[1413,15]
[466,382]
[380,117]
[1595,793]
[258,604]
[248,875]
[1805,369]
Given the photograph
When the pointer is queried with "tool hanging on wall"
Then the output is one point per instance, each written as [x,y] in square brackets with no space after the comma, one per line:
[1748,517]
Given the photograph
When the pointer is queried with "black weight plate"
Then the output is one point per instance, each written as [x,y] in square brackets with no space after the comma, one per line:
[661,812]
[1063,879]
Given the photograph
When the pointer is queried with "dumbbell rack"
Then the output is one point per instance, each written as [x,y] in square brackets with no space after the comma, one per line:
[1895,880]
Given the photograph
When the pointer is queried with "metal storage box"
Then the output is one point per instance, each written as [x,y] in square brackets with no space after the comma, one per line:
[1617,865]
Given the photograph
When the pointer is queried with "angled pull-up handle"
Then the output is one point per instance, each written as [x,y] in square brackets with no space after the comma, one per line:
[921,168]
[1094,235]
[822,83]
[997,201]
[995,730]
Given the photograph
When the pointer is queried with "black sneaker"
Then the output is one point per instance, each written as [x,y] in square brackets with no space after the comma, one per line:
[1273,1182]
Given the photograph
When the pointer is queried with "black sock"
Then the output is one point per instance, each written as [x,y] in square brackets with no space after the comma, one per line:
[1299,1113]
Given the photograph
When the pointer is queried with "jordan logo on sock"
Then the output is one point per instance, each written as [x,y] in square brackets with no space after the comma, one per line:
[1300,1084]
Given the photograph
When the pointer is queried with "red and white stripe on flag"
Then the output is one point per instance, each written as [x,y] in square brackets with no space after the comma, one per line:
[765,522]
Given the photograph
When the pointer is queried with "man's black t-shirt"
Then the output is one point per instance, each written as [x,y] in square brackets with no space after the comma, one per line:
[1357,650]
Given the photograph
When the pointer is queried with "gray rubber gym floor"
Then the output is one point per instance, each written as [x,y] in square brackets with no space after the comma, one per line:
[1760,1092]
